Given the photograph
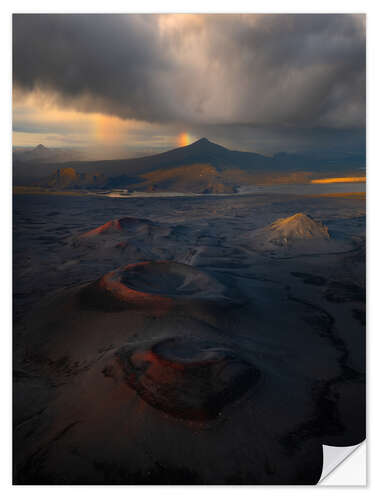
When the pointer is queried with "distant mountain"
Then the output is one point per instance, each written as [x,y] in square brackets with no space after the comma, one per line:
[30,164]
[41,154]
[64,178]
[200,167]
[40,149]
[200,152]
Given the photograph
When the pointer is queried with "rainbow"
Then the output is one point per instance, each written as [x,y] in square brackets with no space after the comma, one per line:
[184,139]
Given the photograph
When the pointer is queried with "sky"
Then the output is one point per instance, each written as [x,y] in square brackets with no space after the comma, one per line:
[124,85]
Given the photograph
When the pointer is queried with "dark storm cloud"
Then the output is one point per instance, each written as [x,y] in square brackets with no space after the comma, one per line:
[273,139]
[99,63]
[305,70]
[280,71]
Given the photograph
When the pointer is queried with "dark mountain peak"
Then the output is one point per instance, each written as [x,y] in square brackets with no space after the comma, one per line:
[203,142]
[205,145]
[40,148]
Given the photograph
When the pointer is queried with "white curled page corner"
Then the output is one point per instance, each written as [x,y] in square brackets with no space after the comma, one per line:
[344,465]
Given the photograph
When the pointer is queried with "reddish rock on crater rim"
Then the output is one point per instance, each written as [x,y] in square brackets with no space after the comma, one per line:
[157,285]
[186,378]
[118,225]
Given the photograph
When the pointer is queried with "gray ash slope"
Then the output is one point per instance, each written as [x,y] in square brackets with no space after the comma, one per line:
[249,379]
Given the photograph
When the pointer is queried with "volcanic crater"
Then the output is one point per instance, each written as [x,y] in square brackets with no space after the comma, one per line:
[154,283]
[187,378]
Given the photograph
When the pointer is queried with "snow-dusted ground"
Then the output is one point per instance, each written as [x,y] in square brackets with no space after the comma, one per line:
[232,366]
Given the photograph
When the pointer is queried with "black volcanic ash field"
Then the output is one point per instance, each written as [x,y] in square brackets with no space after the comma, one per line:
[205,340]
